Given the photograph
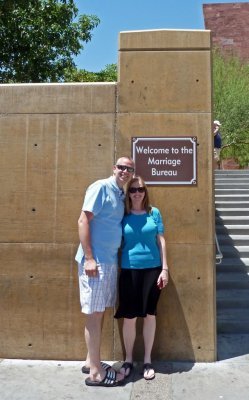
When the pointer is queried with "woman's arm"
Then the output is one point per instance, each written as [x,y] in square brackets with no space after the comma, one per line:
[164,275]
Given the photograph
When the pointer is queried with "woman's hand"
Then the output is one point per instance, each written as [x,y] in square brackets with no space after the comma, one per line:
[163,279]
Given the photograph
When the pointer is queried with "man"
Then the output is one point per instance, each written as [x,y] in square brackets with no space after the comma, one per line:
[217,142]
[100,236]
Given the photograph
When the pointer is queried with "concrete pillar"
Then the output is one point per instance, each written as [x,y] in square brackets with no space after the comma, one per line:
[164,89]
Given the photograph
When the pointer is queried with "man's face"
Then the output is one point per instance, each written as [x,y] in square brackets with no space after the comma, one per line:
[123,171]
[216,128]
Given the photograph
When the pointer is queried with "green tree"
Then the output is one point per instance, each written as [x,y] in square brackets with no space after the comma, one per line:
[231,105]
[39,39]
[108,74]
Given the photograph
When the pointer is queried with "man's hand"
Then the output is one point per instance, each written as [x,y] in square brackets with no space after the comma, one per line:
[90,267]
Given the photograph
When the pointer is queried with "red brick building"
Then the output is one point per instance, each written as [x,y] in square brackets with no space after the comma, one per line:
[229,23]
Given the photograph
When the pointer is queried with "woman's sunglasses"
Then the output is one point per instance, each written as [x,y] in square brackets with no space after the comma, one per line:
[139,190]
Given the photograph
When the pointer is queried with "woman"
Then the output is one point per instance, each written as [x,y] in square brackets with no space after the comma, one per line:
[144,272]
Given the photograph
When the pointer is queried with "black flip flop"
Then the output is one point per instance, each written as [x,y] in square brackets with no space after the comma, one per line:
[127,365]
[147,367]
[110,380]
[86,370]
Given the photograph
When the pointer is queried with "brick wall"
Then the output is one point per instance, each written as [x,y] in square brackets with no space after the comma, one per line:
[229,23]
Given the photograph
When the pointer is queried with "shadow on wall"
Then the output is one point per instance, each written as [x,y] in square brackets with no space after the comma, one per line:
[169,308]
[172,328]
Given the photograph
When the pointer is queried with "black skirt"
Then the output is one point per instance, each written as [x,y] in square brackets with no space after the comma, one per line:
[138,292]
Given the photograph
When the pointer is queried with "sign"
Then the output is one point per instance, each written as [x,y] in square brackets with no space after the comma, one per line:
[165,160]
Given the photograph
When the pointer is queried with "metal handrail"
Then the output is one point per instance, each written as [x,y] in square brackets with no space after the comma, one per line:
[219,254]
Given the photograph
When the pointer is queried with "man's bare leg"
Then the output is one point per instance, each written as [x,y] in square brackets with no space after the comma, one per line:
[93,329]
[87,361]
[93,340]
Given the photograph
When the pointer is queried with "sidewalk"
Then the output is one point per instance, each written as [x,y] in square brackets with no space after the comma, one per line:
[63,380]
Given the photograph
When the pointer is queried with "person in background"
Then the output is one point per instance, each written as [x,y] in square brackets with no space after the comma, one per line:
[144,272]
[217,142]
[100,233]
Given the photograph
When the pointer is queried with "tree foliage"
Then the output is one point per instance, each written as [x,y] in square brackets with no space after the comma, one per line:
[108,74]
[39,39]
[231,105]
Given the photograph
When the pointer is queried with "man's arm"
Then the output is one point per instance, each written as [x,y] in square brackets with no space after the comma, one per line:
[90,265]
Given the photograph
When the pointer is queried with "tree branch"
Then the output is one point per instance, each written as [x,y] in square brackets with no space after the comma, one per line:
[233,144]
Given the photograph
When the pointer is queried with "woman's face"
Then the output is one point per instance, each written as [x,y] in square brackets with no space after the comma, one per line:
[136,192]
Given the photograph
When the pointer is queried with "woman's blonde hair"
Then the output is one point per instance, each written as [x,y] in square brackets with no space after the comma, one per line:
[145,202]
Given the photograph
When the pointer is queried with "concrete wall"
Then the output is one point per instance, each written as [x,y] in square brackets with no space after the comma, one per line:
[55,140]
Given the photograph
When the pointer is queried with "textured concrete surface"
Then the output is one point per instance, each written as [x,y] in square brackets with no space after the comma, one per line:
[172,98]
[56,139]
[53,380]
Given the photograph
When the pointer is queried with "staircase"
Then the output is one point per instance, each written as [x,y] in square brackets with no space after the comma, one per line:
[232,274]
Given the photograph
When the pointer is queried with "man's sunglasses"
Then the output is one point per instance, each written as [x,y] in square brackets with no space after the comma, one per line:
[139,190]
[124,167]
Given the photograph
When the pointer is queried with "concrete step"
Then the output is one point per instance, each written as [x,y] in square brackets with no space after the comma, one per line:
[232,274]
[235,175]
[235,251]
[236,314]
[232,280]
[231,204]
[231,172]
[229,265]
[231,197]
[231,188]
[232,229]
[233,240]
[231,219]
[232,180]
[232,320]
[232,298]
[232,183]
[225,192]
[232,211]
[232,345]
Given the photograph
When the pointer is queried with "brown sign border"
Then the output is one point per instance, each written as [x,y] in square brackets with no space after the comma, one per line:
[193,139]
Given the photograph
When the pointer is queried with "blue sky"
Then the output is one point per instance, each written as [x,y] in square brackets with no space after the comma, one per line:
[126,15]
